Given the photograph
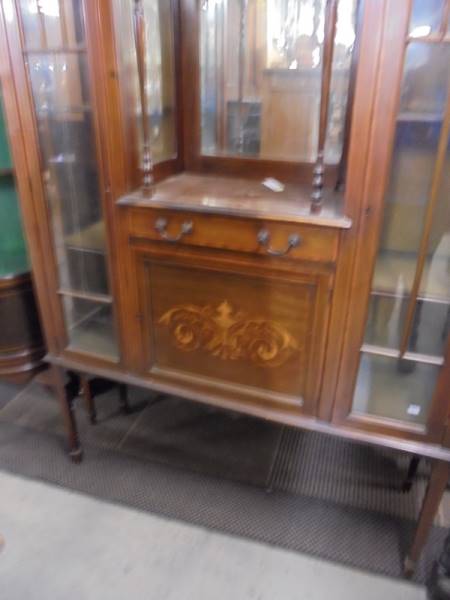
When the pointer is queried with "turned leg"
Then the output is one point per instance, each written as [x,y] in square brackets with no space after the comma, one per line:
[412,472]
[89,400]
[123,399]
[436,487]
[66,395]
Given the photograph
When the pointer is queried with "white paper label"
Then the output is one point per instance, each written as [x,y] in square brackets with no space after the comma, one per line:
[414,410]
[273,184]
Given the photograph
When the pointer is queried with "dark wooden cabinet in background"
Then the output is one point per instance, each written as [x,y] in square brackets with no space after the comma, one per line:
[182,239]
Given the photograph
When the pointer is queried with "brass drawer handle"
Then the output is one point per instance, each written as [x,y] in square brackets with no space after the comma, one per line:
[161,225]
[294,241]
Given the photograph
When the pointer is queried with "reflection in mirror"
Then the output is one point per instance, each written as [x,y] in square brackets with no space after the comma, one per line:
[426,18]
[160,67]
[261,67]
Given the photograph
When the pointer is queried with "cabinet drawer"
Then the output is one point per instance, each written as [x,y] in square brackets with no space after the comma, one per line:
[270,238]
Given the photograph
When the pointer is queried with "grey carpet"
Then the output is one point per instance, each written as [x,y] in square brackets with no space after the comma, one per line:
[298,490]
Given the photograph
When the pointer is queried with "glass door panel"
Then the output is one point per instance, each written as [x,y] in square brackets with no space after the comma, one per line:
[57,63]
[409,310]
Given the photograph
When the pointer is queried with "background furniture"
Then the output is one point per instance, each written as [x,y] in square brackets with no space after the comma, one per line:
[21,344]
[289,301]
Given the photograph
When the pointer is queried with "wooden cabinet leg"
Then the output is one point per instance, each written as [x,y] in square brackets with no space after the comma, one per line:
[412,472]
[123,399]
[438,482]
[66,395]
[89,400]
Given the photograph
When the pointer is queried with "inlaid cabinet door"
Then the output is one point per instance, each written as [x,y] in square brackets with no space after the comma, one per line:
[255,335]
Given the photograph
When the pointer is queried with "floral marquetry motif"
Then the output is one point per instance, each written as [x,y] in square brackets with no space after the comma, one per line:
[229,334]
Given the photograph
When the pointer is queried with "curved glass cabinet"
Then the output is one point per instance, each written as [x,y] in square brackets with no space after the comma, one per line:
[56,57]
[409,312]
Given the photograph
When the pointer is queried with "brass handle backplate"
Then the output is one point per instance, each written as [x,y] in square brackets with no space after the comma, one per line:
[187,228]
[294,241]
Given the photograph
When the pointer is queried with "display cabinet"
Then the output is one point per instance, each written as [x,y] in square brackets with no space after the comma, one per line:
[245,203]
[21,347]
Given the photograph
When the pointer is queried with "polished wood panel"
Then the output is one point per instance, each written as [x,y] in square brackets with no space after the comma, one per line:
[228,326]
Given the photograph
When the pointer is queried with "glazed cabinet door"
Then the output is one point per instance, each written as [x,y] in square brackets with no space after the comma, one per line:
[51,49]
[239,332]
[397,348]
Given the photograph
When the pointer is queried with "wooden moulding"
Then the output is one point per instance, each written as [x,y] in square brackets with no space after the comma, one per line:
[21,345]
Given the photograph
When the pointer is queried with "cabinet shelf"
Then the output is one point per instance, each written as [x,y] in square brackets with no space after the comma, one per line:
[89,239]
[82,295]
[58,50]
[392,268]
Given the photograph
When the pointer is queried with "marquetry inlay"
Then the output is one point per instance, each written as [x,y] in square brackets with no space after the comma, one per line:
[229,334]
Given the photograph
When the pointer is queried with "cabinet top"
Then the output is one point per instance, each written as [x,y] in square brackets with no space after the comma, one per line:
[241,197]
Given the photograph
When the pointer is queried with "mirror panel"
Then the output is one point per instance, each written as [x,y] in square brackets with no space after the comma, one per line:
[261,68]
[160,62]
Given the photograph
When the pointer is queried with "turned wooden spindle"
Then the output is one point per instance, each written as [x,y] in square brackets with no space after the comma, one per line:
[331,11]
[141,53]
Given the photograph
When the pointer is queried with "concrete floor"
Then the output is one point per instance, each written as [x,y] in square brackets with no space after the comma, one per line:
[62,546]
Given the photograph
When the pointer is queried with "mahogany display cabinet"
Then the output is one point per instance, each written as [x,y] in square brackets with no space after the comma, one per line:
[244,203]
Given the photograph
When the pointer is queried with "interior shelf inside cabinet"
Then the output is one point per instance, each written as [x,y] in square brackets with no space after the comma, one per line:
[394,276]
[92,332]
[91,238]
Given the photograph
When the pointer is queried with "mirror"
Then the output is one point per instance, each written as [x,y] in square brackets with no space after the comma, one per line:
[261,68]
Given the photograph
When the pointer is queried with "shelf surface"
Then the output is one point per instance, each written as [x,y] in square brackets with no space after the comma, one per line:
[91,238]
[241,197]
[394,276]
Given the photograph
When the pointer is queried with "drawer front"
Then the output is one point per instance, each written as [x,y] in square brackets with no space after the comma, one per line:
[269,238]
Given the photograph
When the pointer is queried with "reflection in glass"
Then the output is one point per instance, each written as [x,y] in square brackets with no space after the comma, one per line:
[419,124]
[400,390]
[89,327]
[426,17]
[161,74]
[58,72]
[261,76]
[52,23]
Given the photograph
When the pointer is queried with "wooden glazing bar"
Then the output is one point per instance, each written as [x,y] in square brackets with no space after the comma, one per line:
[141,53]
[445,20]
[63,23]
[428,224]
[411,356]
[241,82]
[42,29]
[331,12]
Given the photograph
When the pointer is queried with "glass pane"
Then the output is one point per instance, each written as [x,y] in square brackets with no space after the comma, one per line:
[261,66]
[52,23]
[422,105]
[90,327]
[426,17]
[394,389]
[161,74]
[397,387]
[58,72]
